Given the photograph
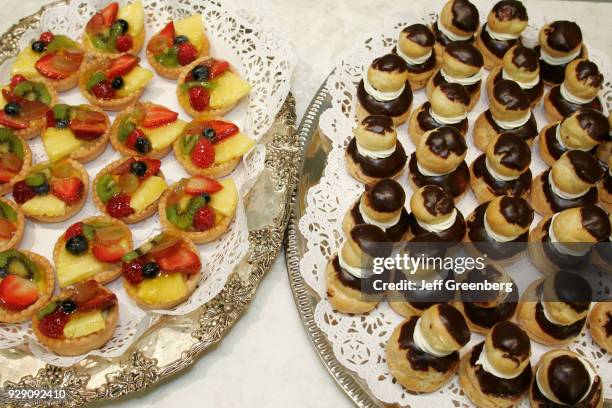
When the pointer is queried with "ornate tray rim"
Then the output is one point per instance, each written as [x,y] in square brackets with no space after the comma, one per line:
[139,372]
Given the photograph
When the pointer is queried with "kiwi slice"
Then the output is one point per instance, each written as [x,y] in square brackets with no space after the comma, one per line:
[9,143]
[18,264]
[182,216]
[42,93]
[95,79]
[22,89]
[107,188]
[88,232]
[7,212]
[61,111]
[60,42]
[35,180]
[126,128]
[188,142]
[48,309]
[143,249]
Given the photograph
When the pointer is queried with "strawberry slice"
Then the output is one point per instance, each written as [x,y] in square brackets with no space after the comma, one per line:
[17,293]
[6,175]
[167,247]
[87,131]
[183,260]
[218,67]
[156,116]
[222,129]
[50,117]
[52,325]
[153,166]
[33,110]
[69,190]
[108,254]
[200,184]
[73,231]
[122,65]
[109,14]
[17,79]
[9,96]
[99,301]
[7,229]
[124,167]
[49,68]
[168,32]
[12,122]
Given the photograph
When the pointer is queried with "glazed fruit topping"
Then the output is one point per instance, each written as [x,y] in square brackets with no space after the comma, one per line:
[203,154]
[7,229]
[103,90]
[77,245]
[186,53]
[155,116]
[22,192]
[167,245]
[204,219]
[124,43]
[69,190]
[199,98]
[103,18]
[200,73]
[152,168]
[199,184]
[184,260]
[17,293]
[218,130]
[101,300]
[108,254]
[122,65]
[52,325]
[26,100]
[138,168]
[46,37]
[68,306]
[106,241]
[171,51]
[132,271]
[150,270]
[88,124]
[74,230]
[119,206]
[59,65]
[139,142]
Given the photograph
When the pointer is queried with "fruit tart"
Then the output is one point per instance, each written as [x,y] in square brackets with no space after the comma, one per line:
[80,319]
[12,225]
[178,44]
[15,159]
[210,86]
[163,272]
[91,249]
[146,129]
[54,57]
[129,189]
[52,192]
[201,207]
[24,104]
[211,147]
[114,83]
[78,132]
[26,284]
[115,30]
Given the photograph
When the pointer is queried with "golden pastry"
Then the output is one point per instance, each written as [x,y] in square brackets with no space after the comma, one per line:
[416,46]
[434,217]
[600,324]
[560,43]
[604,150]
[458,21]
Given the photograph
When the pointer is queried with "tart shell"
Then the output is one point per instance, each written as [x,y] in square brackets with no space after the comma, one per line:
[7,187]
[20,224]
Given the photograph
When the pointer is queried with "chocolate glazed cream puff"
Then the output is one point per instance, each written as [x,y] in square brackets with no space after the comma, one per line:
[382,204]
[496,372]
[416,46]
[461,64]
[565,379]
[560,43]
[434,217]
[564,240]
[600,325]
[439,159]
[502,31]
[385,90]
[570,182]
[375,153]
[583,130]
[458,21]
[578,91]
[509,111]
[349,273]
[604,150]
[604,188]
[423,352]
[448,107]
[521,65]
[502,170]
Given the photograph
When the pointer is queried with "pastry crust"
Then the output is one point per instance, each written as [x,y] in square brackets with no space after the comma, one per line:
[7,187]
[474,96]
[19,224]
[137,43]
[490,60]
[46,269]
[362,113]
[485,133]
[343,298]
[481,189]
[35,126]
[414,187]
[544,152]
[355,170]
[599,318]
[551,113]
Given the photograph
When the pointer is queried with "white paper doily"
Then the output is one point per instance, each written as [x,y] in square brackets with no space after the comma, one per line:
[359,341]
[259,51]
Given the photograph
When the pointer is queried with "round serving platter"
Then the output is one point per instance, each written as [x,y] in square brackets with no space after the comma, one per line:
[173,343]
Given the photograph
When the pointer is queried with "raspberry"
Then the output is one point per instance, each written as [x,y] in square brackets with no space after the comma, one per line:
[204,219]
[203,154]
[119,206]
[132,272]
[124,43]
[16,80]
[187,53]
[74,230]
[22,192]
[103,90]
[130,142]
[52,325]
[46,37]
[198,98]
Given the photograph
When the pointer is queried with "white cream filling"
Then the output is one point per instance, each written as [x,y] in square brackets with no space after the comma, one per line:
[440,226]
[413,61]
[570,97]
[447,120]
[561,193]
[559,60]
[382,224]
[379,95]
[462,81]
[422,343]
[483,360]
[497,237]
[496,175]
[452,36]
[547,314]
[523,85]
[357,272]
[501,36]
[562,143]
[375,154]
[560,247]
[588,368]
[513,124]
[428,173]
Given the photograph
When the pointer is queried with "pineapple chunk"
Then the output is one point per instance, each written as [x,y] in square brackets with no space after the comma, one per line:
[60,143]
[233,147]
[47,205]
[165,135]
[25,63]
[82,324]
[225,200]
[192,28]
[229,89]
[164,288]
[148,192]
[133,13]
[134,80]
[72,269]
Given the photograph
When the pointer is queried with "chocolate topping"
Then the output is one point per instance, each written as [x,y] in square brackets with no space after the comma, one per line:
[455,92]
[555,73]
[515,153]
[394,108]
[595,220]
[502,387]
[446,140]
[380,124]
[563,35]
[555,148]
[590,401]
[418,359]
[527,132]
[526,58]
[586,166]
[465,52]
[371,239]
[517,187]
[516,210]
[512,340]
[608,324]
[420,34]
[455,324]
[379,168]
[387,195]
[390,63]
[360,284]
[454,233]
[395,233]
[511,95]
[441,38]
[568,379]
[588,71]
[437,200]
[506,10]
[573,290]
[594,123]
[455,182]
[558,204]
[497,47]
[534,94]
[472,89]
[427,122]
[565,107]
[465,15]
[486,316]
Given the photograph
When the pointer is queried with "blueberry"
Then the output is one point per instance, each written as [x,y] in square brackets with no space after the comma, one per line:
[117,82]
[3,272]
[143,146]
[200,73]
[77,244]
[138,168]
[206,197]
[180,39]
[42,189]
[124,25]
[38,46]
[150,270]
[12,108]
[68,306]
[62,123]
[209,133]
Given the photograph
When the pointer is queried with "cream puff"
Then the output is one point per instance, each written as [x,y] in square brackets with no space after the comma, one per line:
[439,159]
[600,325]
[503,169]
[560,43]
[375,153]
[563,379]
[521,65]
[458,21]
[604,150]
[434,217]
[461,64]
[416,46]
[579,90]
[381,204]
[448,107]
[604,189]
[565,240]
[570,182]
[497,371]
[385,90]
[509,111]
[583,130]
[349,273]
[601,255]
[505,23]
[423,352]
